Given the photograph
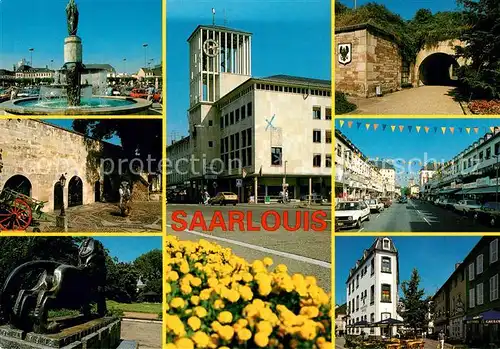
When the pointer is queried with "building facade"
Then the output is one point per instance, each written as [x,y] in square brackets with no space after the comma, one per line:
[254,136]
[372,289]
[178,164]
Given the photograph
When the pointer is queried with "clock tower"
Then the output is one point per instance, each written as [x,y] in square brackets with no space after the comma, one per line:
[219,60]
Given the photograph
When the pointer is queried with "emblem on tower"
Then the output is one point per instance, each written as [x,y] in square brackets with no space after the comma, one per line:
[211,47]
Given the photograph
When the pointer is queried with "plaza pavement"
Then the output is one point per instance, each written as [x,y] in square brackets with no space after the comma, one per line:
[435,100]
[105,217]
[146,333]
[419,216]
[306,252]
[428,344]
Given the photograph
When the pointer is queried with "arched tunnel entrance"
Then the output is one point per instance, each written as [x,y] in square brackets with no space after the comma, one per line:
[439,69]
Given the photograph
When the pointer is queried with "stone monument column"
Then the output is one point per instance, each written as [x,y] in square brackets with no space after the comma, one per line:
[73,56]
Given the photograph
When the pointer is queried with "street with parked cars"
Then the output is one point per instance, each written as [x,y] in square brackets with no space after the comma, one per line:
[417,215]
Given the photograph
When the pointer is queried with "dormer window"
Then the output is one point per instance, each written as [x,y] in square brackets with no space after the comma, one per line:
[386,244]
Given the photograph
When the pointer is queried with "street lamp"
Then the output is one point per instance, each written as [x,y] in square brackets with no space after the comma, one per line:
[62,181]
[31,58]
[145,54]
[125,66]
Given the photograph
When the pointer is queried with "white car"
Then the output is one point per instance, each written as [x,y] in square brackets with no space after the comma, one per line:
[375,205]
[467,206]
[350,214]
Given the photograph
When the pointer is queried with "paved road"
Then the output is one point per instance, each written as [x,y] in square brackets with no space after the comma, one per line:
[307,252]
[146,334]
[422,100]
[428,344]
[419,216]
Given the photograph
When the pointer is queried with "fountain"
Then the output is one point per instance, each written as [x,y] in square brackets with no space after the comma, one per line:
[68,95]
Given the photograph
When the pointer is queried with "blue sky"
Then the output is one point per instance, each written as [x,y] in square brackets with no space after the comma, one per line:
[127,249]
[111,30]
[289,37]
[431,256]
[67,124]
[407,146]
[408,8]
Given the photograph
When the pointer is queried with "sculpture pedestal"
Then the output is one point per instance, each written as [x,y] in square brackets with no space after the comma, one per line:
[102,333]
[73,50]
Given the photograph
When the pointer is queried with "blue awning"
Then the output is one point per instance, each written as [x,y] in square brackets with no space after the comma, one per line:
[484,190]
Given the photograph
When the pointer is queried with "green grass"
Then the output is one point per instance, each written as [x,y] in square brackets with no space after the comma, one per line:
[149,308]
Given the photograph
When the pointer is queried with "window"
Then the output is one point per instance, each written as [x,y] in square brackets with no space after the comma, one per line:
[349,289]
[249,109]
[348,308]
[328,113]
[249,156]
[210,144]
[328,136]
[386,244]
[479,264]
[494,288]
[237,112]
[221,122]
[328,160]
[317,136]
[472,298]
[386,264]
[276,155]
[339,150]
[317,113]
[372,266]
[231,118]
[479,291]
[471,271]
[494,251]
[226,120]
[249,136]
[357,303]
[357,281]
[210,123]
[317,160]
[372,294]
[488,153]
[481,156]
[243,112]
[386,293]
[237,140]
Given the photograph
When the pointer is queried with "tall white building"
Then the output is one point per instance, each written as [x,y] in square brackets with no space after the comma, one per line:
[372,289]
[258,133]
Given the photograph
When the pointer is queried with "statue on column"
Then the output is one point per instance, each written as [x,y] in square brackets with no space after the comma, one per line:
[72,17]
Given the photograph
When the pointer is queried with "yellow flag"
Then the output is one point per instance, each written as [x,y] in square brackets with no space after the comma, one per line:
[401,128]
[393,127]
[467,129]
[452,130]
[443,129]
[341,122]
[367,126]
[426,129]
[418,129]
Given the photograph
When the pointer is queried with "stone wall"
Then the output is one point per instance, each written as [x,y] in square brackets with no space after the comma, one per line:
[351,78]
[41,153]
[384,65]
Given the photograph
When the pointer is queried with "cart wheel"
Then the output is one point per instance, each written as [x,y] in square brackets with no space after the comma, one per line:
[15,217]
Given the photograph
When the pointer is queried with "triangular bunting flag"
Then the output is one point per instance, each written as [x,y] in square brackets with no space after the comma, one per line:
[443,129]
[409,128]
[401,128]
[435,129]
[358,124]
[375,126]
[393,127]
[467,129]
[452,130]
[476,129]
[417,128]
[426,129]
[341,122]
[384,126]
[367,126]
[349,124]
[460,129]
[492,129]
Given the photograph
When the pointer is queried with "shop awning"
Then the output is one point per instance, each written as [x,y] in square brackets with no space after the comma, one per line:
[464,191]
[491,316]
[449,190]
[484,190]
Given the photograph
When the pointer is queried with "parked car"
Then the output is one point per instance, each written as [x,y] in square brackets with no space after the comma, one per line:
[489,214]
[450,203]
[467,206]
[142,93]
[442,202]
[224,198]
[403,200]
[350,214]
[386,201]
[375,205]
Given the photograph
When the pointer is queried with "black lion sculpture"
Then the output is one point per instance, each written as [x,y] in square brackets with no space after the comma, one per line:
[58,286]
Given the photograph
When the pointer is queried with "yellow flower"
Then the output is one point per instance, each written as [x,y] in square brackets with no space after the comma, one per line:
[247,277]
[171,346]
[244,334]
[225,317]
[268,261]
[265,289]
[175,324]
[186,289]
[184,268]
[184,343]
[205,294]
[261,339]
[177,302]
[310,312]
[281,268]
[200,312]
[226,332]
[168,288]
[246,293]
[265,327]
[194,322]
[172,276]
[195,281]
[195,300]
[219,304]
[201,339]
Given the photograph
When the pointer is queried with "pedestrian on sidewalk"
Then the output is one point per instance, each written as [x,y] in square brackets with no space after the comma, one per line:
[441,339]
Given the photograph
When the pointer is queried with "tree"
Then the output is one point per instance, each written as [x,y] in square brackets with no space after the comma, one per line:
[415,307]
[121,281]
[481,75]
[340,8]
[149,267]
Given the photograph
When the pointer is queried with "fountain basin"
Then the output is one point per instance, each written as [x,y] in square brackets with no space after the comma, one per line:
[95,105]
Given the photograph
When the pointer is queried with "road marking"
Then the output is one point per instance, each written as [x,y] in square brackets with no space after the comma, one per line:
[262,249]
[360,230]
[423,216]
[377,216]
[425,219]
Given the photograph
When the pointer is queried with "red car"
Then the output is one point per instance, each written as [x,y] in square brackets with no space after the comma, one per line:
[142,93]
